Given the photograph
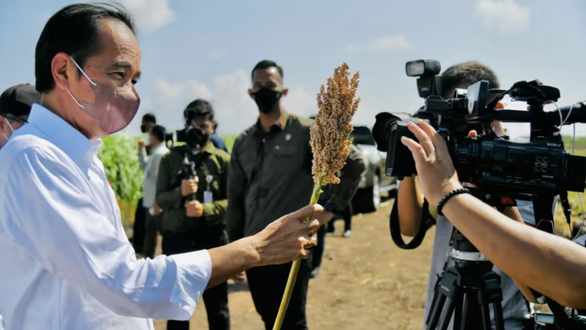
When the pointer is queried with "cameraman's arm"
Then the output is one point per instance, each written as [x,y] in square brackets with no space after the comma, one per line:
[214,213]
[410,203]
[167,197]
[351,173]
[551,265]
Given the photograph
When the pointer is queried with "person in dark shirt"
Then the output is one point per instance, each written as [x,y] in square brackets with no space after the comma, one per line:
[144,150]
[270,175]
[194,209]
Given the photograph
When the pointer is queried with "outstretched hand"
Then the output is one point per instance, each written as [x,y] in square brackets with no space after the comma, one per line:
[436,172]
[289,238]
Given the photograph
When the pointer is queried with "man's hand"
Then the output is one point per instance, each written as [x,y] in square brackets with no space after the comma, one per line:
[189,187]
[194,209]
[282,241]
[437,175]
[289,237]
[141,144]
[239,278]
[157,209]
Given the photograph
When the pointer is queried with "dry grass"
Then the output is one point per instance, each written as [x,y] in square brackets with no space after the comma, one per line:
[366,282]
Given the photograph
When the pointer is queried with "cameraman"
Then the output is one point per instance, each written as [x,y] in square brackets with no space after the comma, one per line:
[194,208]
[409,204]
[551,265]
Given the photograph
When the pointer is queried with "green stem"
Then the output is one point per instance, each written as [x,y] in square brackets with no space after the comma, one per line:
[317,185]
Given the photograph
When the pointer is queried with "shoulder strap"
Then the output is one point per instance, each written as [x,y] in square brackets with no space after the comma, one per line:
[427,222]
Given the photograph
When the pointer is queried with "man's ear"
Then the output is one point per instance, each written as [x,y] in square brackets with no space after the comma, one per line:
[285,91]
[250,93]
[62,69]
[2,124]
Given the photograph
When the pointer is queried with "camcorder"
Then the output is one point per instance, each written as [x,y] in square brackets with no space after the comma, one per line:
[495,169]
[523,170]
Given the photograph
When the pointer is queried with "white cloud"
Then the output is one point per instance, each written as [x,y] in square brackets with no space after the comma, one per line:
[150,15]
[235,110]
[216,55]
[506,16]
[397,42]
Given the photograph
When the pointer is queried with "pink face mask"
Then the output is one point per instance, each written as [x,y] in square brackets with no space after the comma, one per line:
[113,107]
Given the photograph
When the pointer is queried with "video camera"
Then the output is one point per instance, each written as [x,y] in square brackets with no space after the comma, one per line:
[499,171]
[541,166]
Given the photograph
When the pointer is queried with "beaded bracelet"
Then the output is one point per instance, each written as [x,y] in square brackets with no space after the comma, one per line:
[449,195]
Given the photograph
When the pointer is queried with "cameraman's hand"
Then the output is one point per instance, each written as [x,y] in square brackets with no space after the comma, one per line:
[437,175]
[189,187]
[194,209]
[141,144]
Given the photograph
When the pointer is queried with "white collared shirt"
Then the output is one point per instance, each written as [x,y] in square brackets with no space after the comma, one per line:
[65,261]
[151,171]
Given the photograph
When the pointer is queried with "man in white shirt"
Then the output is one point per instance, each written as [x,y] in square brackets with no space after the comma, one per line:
[149,188]
[66,261]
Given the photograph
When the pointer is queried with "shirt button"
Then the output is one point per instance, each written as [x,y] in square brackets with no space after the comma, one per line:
[276,147]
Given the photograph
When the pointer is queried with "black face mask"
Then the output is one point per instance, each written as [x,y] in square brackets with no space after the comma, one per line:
[266,99]
[143,128]
[195,137]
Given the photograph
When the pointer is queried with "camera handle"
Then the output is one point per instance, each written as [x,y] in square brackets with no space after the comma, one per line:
[427,222]
[191,164]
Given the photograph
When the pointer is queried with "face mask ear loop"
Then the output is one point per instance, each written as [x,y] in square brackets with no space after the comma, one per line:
[87,77]
[83,72]
[9,126]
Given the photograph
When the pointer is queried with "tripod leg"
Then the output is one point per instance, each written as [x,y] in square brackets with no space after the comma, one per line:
[484,311]
[498,316]
[446,315]
[434,314]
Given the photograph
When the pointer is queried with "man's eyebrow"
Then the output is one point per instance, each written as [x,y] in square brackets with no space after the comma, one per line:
[121,65]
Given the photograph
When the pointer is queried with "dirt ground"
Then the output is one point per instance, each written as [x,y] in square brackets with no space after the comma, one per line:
[365,282]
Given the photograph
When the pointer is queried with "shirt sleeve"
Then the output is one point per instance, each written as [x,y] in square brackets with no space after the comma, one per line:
[68,234]
[214,213]
[142,157]
[351,174]
[235,215]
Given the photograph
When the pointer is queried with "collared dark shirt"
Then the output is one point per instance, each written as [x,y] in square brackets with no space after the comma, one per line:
[214,163]
[270,175]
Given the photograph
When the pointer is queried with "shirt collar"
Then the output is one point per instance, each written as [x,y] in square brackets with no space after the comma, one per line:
[281,123]
[64,136]
[209,148]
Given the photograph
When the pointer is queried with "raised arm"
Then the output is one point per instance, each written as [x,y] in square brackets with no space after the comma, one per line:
[351,173]
[551,265]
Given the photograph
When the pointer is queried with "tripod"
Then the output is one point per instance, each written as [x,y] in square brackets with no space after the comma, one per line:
[466,291]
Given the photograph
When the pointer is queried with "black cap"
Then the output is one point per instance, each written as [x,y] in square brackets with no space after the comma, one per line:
[199,109]
[18,100]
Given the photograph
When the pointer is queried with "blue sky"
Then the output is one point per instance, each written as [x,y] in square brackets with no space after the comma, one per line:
[206,49]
